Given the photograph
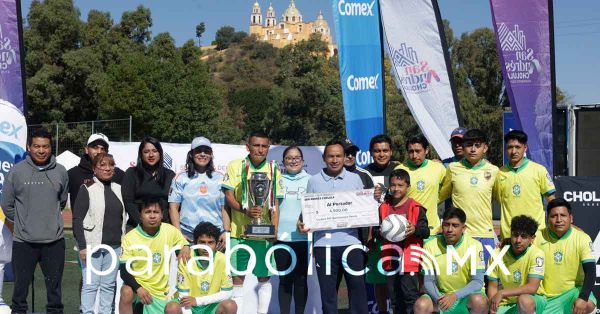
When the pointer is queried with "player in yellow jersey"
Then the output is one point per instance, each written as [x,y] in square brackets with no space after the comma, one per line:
[455,284]
[426,177]
[470,183]
[521,184]
[236,196]
[204,286]
[518,290]
[147,286]
[570,264]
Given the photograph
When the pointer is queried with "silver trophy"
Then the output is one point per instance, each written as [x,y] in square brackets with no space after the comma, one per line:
[259,192]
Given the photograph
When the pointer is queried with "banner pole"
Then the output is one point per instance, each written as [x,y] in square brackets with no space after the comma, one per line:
[383,72]
[556,154]
[22,55]
[442,32]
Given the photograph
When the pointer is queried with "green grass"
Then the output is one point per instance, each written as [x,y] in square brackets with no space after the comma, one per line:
[70,283]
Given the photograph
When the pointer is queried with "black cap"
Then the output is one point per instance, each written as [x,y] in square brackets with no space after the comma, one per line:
[349,146]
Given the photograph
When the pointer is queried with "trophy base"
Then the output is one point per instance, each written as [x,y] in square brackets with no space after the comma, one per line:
[260,231]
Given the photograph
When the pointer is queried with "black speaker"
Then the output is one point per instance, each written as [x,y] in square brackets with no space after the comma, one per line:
[588,142]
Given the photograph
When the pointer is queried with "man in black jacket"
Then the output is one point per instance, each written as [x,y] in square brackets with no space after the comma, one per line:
[83,173]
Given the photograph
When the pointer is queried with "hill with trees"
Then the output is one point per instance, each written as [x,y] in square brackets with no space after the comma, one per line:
[97,69]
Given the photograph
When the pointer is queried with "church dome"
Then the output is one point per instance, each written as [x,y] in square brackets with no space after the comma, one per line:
[292,14]
[321,22]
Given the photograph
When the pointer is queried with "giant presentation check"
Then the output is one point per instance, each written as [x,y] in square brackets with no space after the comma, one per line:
[337,210]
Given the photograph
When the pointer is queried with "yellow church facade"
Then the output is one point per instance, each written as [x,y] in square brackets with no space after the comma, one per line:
[290,29]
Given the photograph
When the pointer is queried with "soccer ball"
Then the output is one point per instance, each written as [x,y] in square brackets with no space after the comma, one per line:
[393,228]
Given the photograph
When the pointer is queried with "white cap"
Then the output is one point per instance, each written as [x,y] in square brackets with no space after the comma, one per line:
[98,137]
[201,141]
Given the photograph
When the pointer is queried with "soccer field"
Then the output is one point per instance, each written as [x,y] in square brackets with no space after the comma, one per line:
[72,276]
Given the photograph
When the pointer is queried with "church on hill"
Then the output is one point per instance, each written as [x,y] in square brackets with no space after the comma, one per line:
[290,29]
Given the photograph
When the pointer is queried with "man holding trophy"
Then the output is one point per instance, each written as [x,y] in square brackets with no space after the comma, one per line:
[253,191]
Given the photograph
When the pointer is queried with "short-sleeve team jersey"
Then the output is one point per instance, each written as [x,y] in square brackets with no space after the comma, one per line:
[471,190]
[529,264]
[454,277]
[208,283]
[200,197]
[520,192]
[564,259]
[425,183]
[157,281]
[233,181]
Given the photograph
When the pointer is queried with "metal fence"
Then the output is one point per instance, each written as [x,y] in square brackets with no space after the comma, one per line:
[72,136]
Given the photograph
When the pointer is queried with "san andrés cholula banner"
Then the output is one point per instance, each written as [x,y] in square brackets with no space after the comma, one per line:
[413,36]
[523,43]
[13,130]
[359,50]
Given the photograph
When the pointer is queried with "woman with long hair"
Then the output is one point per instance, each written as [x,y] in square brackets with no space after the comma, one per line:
[196,194]
[148,179]
[99,218]
[294,182]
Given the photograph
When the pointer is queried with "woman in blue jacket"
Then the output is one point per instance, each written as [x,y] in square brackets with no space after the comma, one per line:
[294,183]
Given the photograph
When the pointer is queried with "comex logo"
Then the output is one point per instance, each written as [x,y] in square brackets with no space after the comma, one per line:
[358,83]
[414,74]
[522,64]
[355,8]
[9,129]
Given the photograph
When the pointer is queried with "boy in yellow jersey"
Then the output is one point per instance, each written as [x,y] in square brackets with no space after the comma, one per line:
[521,184]
[455,284]
[521,290]
[147,286]
[426,177]
[470,183]
[204,286]
[236,196]
[570,264]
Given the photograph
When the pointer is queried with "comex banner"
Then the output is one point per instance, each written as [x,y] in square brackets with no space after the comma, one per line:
[359,42]
[523,41]
[414,45]
[584,195]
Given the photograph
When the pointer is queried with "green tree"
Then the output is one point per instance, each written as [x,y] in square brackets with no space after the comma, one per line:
[200,28]
[136,25]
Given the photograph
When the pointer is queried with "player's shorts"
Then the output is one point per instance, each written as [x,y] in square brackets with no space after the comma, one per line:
[205,309]
[460,306]
[540,305]
[156,307]
[374,276]
[241,257]
[563,303]
[491,243]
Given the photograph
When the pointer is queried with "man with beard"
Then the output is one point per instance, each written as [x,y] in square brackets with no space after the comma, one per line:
[83,173]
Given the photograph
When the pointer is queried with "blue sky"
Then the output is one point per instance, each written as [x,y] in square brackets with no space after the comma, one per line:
[577,28]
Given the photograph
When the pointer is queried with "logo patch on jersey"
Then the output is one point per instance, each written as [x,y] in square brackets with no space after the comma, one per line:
[474,180]
[558,257]
[549,178]
[517,276]
[156,258]
[204,286]
[420,185]
[203,188]
[180,278]
[539,261]
[487,175]
[539,264]
[226,177]
[481,256]
[516,190]
[454,267]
